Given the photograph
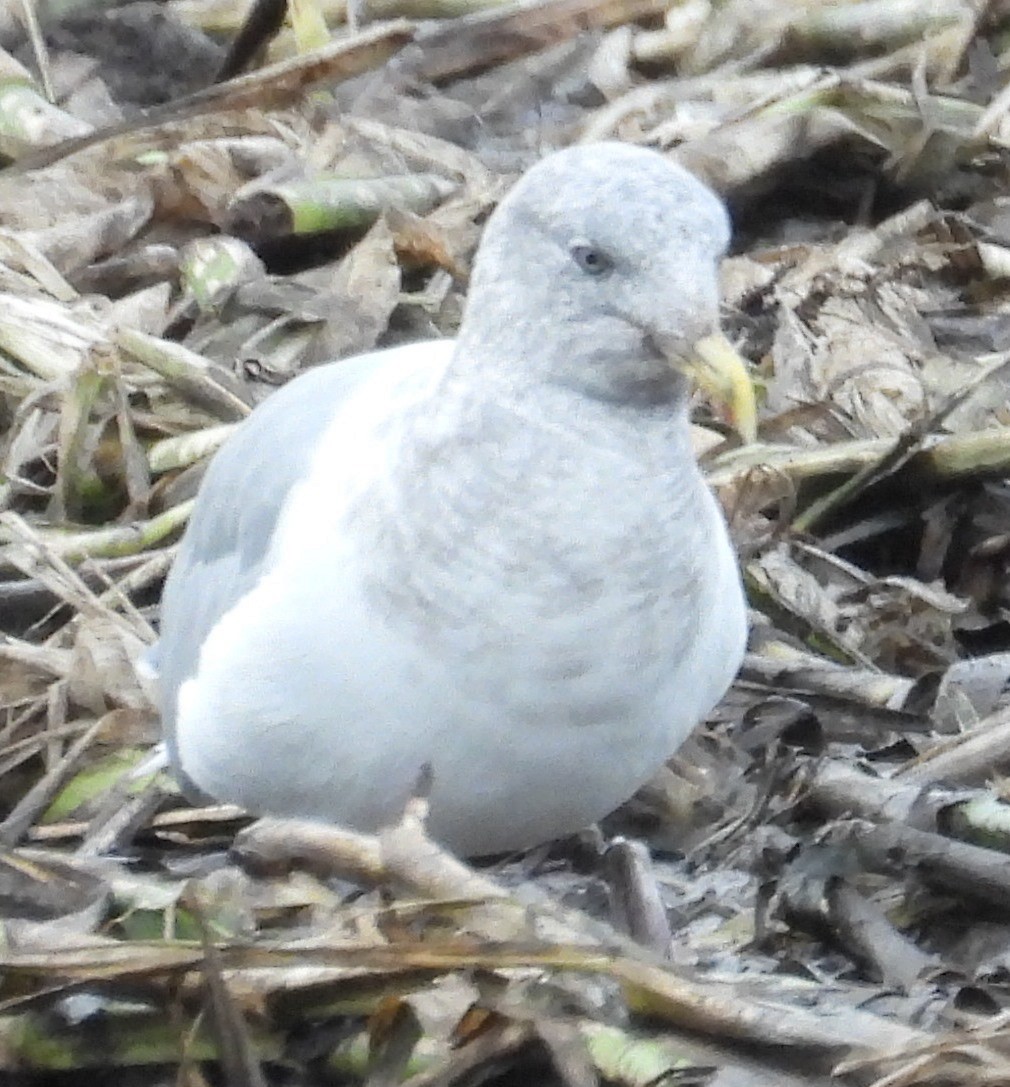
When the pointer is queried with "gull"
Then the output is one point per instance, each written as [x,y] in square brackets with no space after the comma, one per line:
[490,561]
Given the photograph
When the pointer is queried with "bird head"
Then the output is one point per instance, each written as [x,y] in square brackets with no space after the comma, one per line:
[599,271]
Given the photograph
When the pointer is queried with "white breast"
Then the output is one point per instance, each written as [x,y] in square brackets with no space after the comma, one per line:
[315,698]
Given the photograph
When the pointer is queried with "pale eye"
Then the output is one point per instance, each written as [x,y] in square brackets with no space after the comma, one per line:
[591,258]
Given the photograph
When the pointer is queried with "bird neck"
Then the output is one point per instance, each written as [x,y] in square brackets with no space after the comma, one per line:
[596,354]
[480,385]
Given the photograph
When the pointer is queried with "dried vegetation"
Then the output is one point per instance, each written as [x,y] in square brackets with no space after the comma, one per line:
[825,893]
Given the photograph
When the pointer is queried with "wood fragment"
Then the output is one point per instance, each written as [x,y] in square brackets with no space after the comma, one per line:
[832,908]
[322,204]
[635,900]
[970,755]
[113,541]
[276,845]
[967,871]
[206,383]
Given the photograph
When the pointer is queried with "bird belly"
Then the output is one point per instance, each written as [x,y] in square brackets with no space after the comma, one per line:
[312,707]
[538,704]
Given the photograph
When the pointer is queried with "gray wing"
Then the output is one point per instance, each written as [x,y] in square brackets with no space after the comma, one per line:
[233,522]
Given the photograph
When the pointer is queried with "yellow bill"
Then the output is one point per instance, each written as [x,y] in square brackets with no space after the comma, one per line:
[721,373]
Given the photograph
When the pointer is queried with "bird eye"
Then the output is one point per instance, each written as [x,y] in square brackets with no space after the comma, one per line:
[590,258]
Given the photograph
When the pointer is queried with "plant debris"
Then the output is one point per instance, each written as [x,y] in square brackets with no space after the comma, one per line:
[814,890]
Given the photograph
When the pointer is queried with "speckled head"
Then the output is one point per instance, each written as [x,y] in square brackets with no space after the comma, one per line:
[631,200]
[599,270]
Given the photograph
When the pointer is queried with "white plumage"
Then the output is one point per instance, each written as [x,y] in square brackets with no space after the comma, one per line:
[492,557]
